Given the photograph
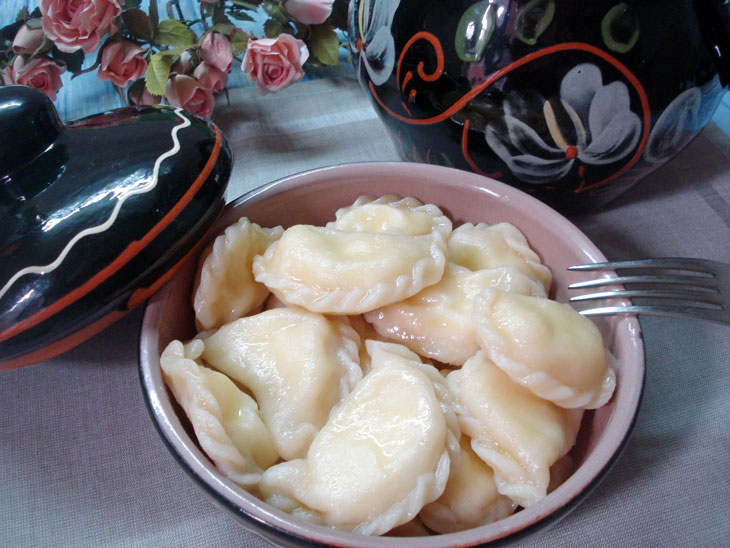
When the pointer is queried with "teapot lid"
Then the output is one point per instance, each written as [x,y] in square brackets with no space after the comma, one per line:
[98,214]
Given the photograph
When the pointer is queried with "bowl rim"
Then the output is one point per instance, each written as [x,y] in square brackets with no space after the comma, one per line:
[264,520]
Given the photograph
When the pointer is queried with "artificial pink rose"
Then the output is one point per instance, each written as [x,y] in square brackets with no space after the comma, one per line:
[121,62]
[27,40]
[183,63]
[210,77]
[309,12]
[40,73]
[186,92]
[217,50]
[274,63]
[74,24]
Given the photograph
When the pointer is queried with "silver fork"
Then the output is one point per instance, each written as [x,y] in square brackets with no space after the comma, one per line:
[681,287]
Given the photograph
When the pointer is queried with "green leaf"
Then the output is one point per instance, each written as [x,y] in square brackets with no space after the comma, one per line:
[239,41]
[73,61]
[158,70]
[174,33]
[276,11]
[133,3]
[33,23]
[273,28]
[46,45]
[138,23]
[223,28]
[240,16]
[324,45]
[22,14]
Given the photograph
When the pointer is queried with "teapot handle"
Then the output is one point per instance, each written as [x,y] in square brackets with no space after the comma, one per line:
[714,20]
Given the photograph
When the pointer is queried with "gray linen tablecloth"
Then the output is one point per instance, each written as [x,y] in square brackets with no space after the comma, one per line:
[81,463]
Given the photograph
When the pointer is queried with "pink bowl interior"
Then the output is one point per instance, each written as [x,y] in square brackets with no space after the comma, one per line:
[312,198]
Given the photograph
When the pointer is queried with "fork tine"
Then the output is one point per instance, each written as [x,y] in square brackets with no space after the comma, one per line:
[705,297]
[709,314]
[674,263]
[692,281]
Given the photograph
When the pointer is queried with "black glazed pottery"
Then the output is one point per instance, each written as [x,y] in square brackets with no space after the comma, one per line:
[571,101]
[96,215]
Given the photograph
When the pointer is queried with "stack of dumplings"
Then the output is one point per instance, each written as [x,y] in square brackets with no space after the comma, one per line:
[386,373]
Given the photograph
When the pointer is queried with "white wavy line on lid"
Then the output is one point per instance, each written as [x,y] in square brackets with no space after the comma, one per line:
[152,183]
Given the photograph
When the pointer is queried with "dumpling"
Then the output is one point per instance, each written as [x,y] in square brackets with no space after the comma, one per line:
[437,321]
[335,272]
[226,420]
[391,213]
[225,287]
[385,451]
[366,331]
[546,346]
[470,499]
[297,364]
[480,247]
[517,433]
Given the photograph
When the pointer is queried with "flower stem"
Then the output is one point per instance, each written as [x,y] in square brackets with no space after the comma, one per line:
[202,15]
[176,3]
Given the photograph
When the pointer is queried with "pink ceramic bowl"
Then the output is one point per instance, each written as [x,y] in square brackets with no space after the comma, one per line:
[313,197]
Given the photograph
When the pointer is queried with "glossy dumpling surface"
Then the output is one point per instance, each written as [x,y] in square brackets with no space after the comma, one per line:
[384,453]
[336,272]
[391,214]
[225,287]
[518,434]
[483,246]
[546,346]
[437,321]
[226,420]
[470,499]
[298,365]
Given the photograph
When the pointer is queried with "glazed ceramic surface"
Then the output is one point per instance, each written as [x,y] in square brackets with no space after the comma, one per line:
[313,197]
[571,101]
[96,215]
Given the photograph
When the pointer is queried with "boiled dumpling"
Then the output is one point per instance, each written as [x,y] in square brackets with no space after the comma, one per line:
[391,214]
[482,246]
[298,365]
[546,346]
[385,451]
[470,499]
[437,321]
[336,272]
[225,287]
[366,331]
[517,433]
[225,420]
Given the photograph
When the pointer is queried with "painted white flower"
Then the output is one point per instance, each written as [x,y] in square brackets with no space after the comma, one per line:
[675,127]
[377,50]
[604,129]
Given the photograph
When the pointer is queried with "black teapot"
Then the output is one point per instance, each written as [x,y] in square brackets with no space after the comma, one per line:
[571,101]
[96,215]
